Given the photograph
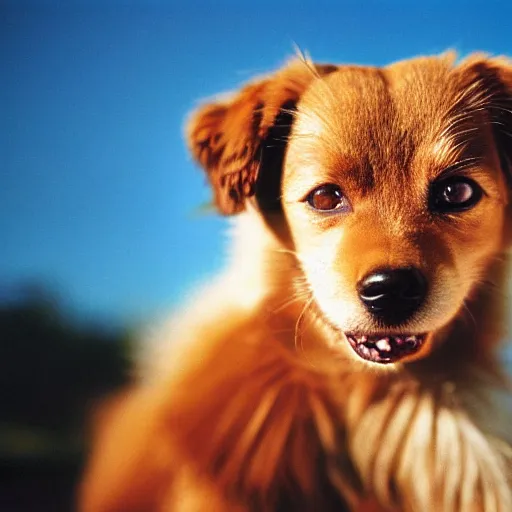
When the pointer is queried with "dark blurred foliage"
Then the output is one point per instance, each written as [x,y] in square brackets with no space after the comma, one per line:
[52,372]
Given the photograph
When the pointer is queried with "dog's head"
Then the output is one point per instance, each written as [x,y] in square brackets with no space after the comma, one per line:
[394,183]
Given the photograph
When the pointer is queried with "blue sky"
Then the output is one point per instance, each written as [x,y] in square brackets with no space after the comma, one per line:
[98,197]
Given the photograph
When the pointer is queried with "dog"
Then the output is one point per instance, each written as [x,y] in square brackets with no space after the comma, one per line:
[348,358]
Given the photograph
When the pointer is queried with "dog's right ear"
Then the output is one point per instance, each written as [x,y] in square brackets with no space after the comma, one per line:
[232,139]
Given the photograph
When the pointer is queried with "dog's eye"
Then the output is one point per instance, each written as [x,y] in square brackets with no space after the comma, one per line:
[454,194]
[327,198]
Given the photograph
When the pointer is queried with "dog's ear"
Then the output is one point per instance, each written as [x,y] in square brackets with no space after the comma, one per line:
[491,89]
[235,140]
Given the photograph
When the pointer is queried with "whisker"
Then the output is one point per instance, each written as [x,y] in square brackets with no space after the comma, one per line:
[286,251]
[305,59]
[298,333]
[293,300]
[469,313]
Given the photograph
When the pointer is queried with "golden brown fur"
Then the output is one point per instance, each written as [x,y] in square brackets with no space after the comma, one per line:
[253,399]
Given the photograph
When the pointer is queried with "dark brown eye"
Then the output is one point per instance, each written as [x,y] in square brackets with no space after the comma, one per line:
[454,194]
[327,198]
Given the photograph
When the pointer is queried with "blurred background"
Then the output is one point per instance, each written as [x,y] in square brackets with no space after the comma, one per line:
[102,222]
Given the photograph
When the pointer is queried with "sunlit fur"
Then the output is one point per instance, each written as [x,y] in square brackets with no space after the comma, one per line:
[251,399]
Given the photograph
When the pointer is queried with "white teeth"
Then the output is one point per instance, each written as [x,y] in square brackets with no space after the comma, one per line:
[374,353]
[365,350]
[411,341]
[383,345]
[379,347]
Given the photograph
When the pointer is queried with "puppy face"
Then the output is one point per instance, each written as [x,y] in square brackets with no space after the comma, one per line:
[396,200]
[393,185]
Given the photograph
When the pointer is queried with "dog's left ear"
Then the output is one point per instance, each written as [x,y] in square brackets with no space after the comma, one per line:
[237,140]
[491,87]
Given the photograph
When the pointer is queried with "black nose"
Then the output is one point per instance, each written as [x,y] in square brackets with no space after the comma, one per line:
[393,295]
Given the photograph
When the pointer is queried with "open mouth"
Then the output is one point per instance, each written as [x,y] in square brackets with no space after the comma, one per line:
[384,348]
